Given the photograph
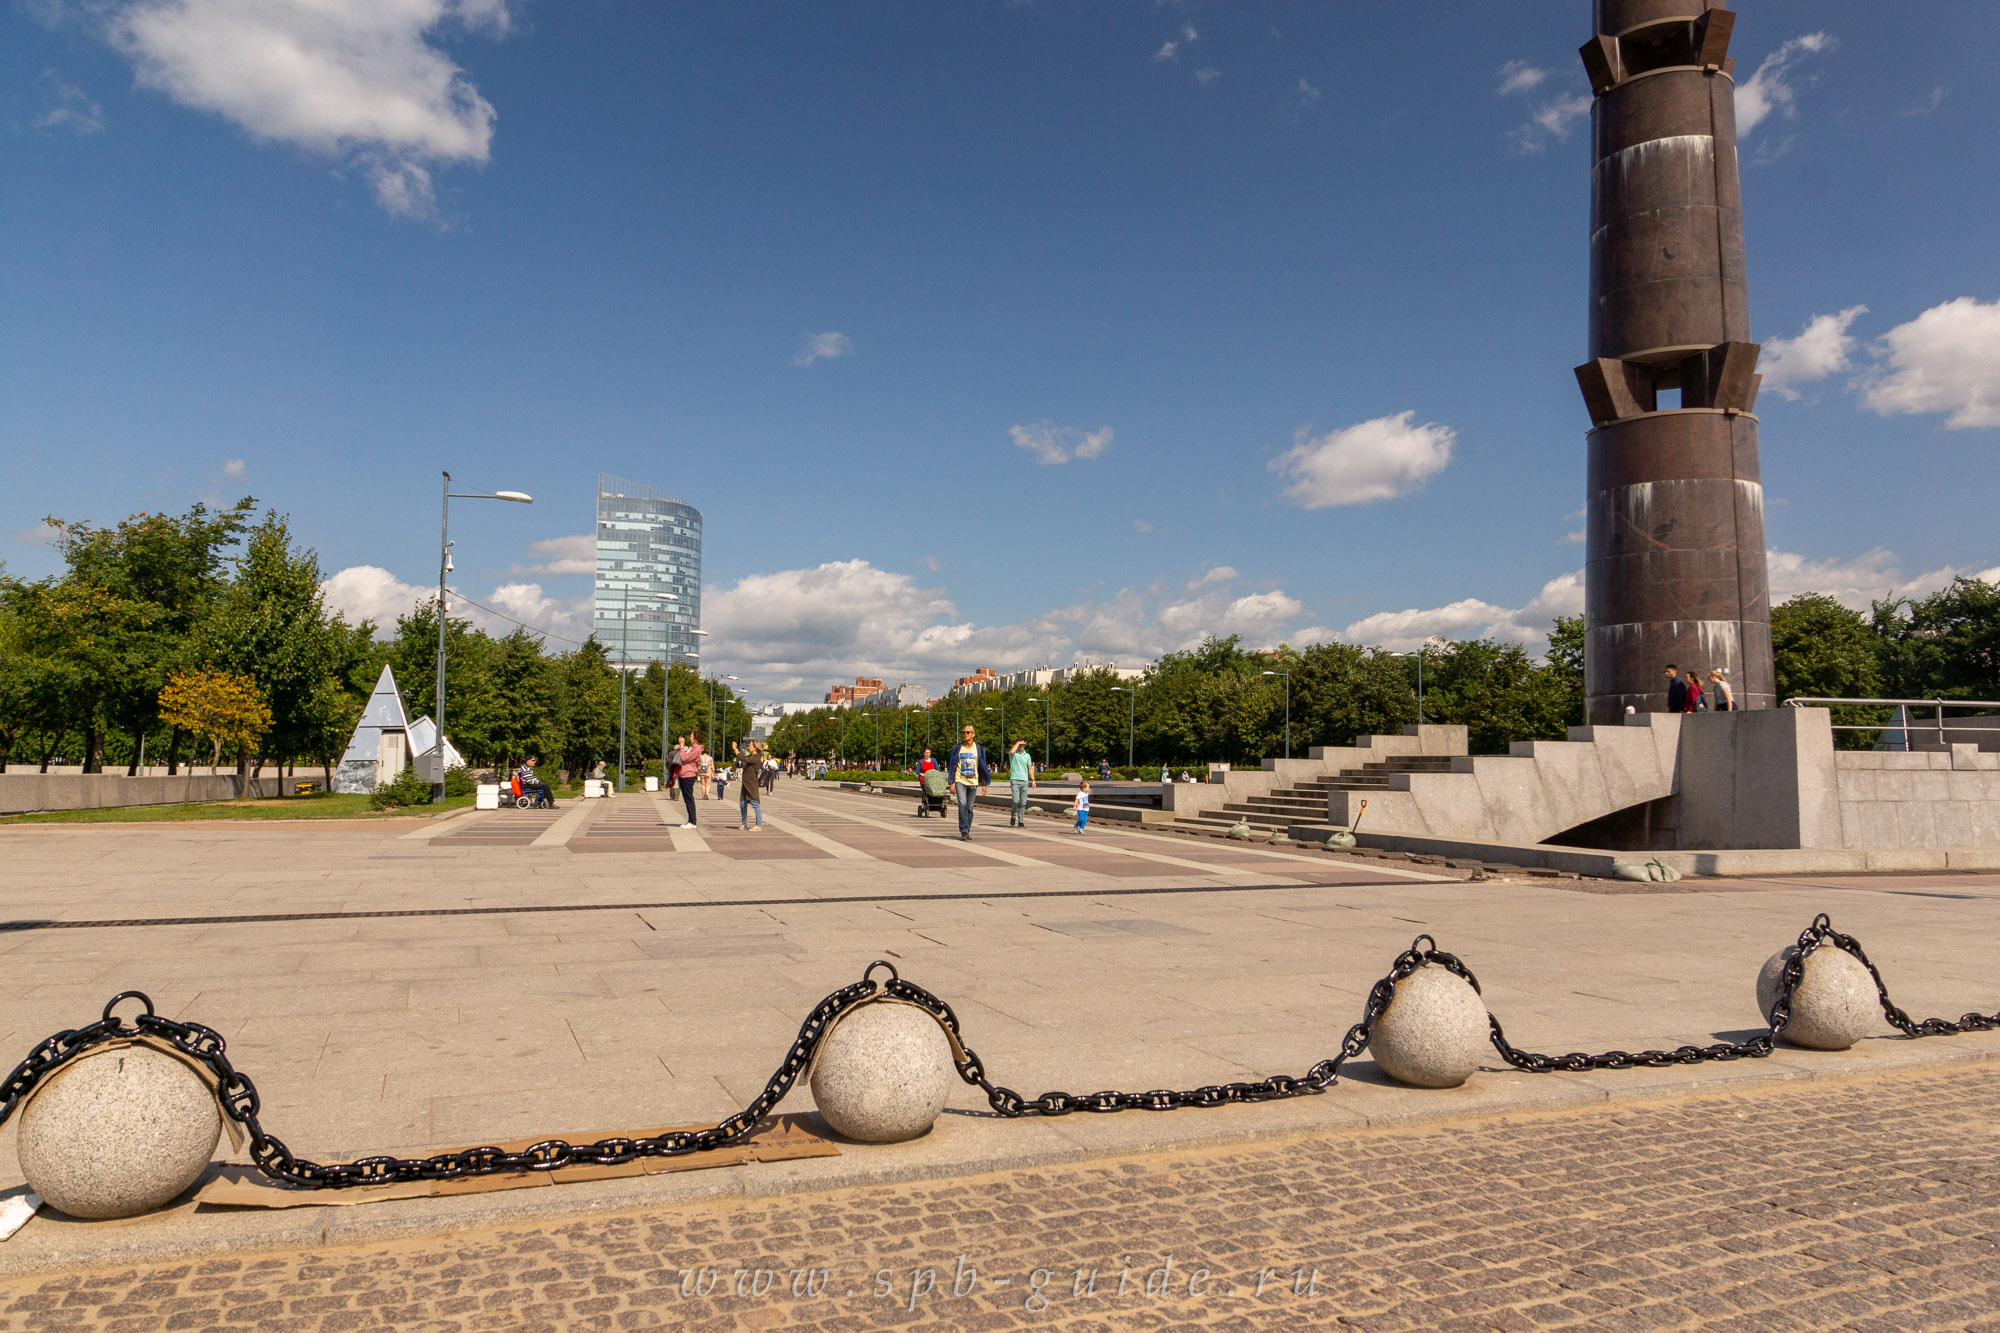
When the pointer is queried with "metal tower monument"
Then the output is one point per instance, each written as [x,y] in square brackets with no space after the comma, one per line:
[1675,568]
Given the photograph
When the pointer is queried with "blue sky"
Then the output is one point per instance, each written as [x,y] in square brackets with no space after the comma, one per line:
[983,333]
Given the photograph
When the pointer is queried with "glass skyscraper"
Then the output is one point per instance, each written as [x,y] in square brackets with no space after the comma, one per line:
[648,543]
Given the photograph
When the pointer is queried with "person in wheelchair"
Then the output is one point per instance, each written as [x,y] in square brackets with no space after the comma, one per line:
[532,786]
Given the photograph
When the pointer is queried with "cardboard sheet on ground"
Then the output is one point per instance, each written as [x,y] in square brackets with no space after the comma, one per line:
[776,1139]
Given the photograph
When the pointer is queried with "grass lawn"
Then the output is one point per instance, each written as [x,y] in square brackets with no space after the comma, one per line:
[276,807]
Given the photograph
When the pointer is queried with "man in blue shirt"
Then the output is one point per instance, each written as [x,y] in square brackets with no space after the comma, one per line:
[970,774]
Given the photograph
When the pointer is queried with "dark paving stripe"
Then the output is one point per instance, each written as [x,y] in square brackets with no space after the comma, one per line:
[1119,867]
[9,927]
[501,828]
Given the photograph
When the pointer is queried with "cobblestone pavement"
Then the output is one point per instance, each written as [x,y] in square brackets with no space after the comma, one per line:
[1871,1204]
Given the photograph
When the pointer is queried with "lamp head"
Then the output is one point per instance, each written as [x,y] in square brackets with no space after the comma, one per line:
[518,497]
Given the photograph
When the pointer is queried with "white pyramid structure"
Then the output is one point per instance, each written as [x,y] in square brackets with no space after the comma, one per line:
[424,749]
[380,746]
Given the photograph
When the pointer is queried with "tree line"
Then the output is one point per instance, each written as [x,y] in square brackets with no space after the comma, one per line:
[1223,702]
[1226,703]
[204,635]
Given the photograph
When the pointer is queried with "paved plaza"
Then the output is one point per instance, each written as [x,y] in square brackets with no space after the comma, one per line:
[508,974]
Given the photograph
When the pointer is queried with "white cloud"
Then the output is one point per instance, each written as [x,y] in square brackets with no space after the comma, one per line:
[1552,120]
[1208,579]
[67,108]
[1518,76]
[1360,464]
[1141,525]
[561,555]
[569,618]
[847,617]
[359,81]
[1171,50]
[1471,618]
[1929,102]
[1051,443]
[1858,580]
[931,563]
[369,592]
[1770,88]
[42,534]
[1206,75]
[1854,581]
[1819,350]
[233,469]
[1304,95]
[824,347]
[1945,360]
[1573,538]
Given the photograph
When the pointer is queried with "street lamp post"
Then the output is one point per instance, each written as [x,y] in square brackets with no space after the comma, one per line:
[1131,713]
[721,747]
[444,568]
[1287,674]
[1419,655]
[1049,728]
[667,693]
[624,670]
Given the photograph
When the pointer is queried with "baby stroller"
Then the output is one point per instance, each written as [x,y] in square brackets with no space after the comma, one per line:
[931,795]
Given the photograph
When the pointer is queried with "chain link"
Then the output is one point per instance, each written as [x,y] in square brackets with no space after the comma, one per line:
[1009,1103]
[238,1097]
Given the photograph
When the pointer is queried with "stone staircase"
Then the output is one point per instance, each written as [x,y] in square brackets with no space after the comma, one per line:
[1306,802]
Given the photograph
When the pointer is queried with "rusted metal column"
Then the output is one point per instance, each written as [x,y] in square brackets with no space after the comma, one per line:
[1674,569]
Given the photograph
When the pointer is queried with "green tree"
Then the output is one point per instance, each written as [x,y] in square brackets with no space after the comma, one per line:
[1340,692]
[1821,649]
[173,570]
[1495,691]
[1564,670]
[226,708]
[271,625]
[1943,646]
[586,699]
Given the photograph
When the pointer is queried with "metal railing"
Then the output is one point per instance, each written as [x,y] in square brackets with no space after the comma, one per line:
[1903,722]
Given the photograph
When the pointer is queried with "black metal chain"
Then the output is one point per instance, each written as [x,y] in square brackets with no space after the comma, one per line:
[1008,1102]
[239,1100]
[1902,1022]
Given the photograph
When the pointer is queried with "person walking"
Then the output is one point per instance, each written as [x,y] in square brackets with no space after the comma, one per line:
[925,765]
[1020,780]
[1104,770]
[703,773]
[1082,804]
[693,758]
[749,788]
[970,776]
[1677,690]
[1718,685]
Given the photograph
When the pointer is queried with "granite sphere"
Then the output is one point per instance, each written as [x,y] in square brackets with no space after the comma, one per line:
[1433,1033]
[1835,1005]
[882,1074]
[118,1132]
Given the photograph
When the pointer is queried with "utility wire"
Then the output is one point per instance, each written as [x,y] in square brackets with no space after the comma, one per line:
[512,621]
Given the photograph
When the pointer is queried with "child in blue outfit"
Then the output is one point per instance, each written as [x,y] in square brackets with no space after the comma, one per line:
[1082,806]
